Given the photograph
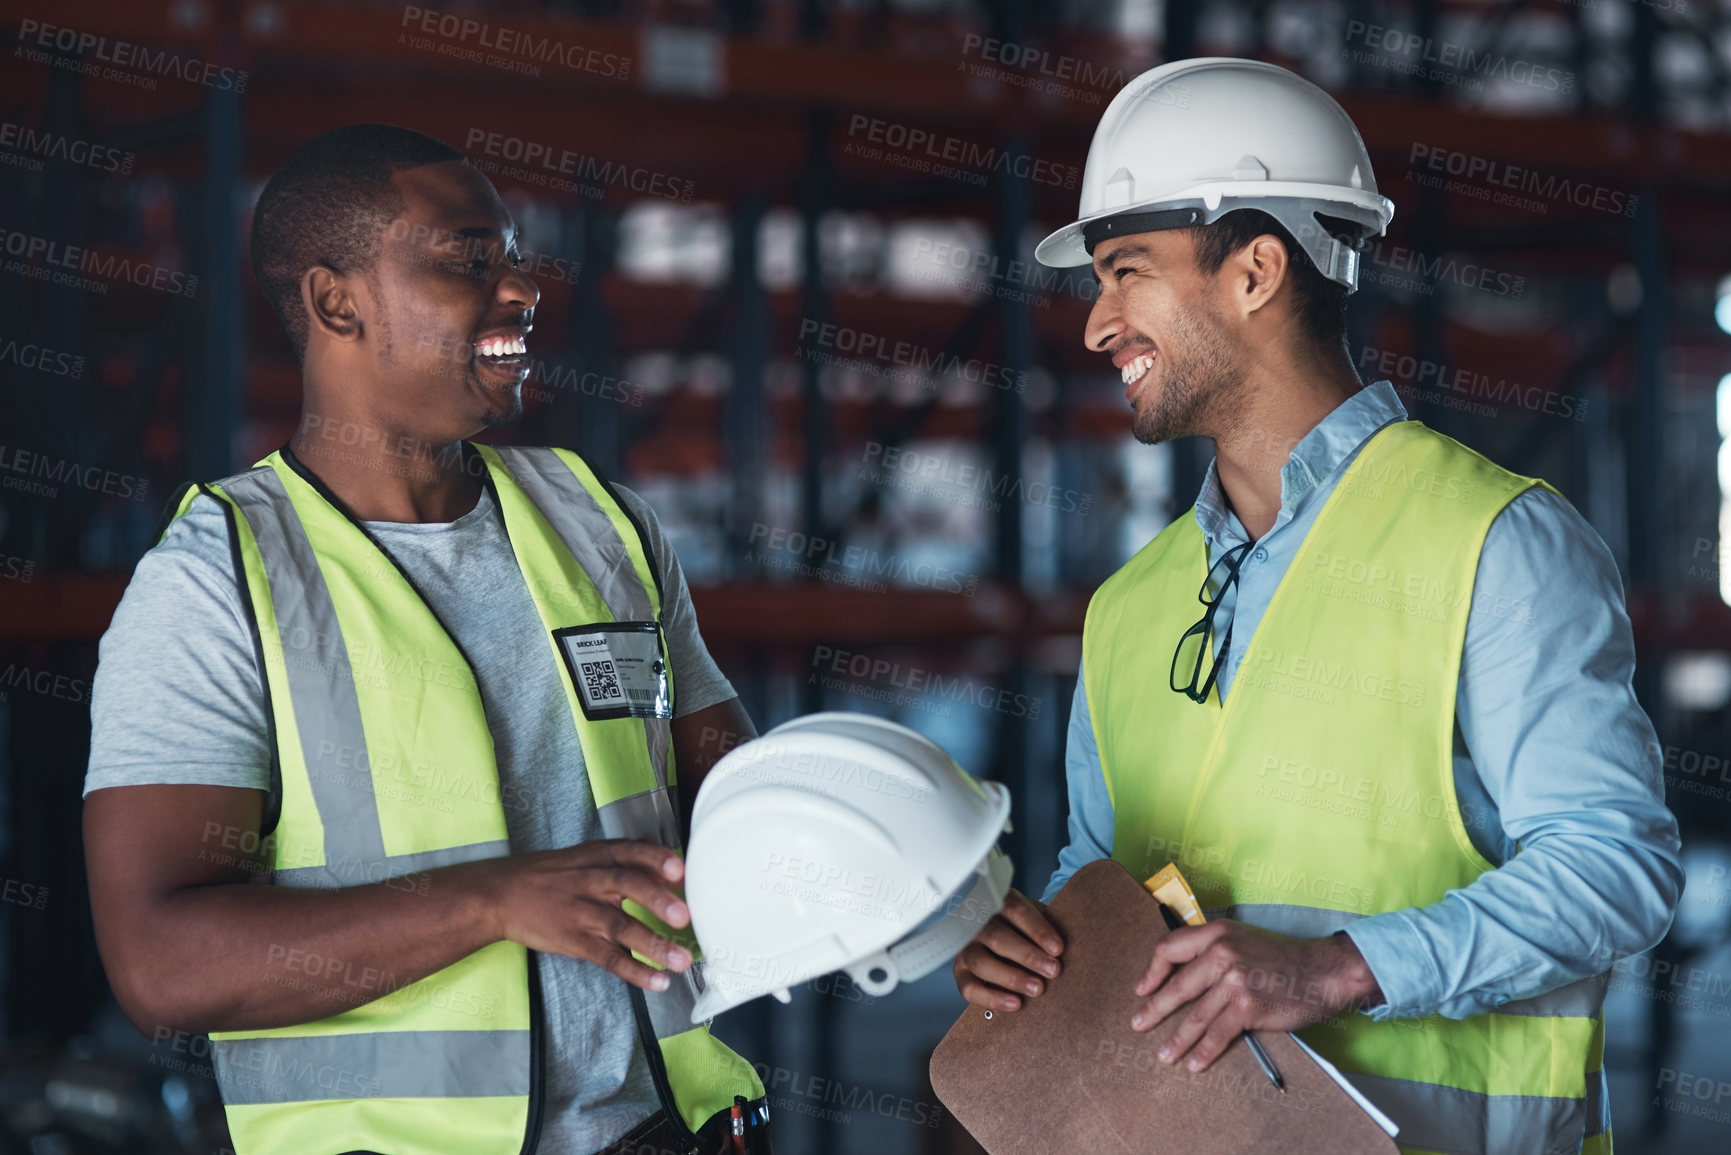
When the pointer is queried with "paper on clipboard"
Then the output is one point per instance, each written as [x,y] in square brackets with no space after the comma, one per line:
[1333,1072]
[1171,889]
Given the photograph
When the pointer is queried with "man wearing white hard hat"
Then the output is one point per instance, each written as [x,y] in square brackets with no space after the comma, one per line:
[1371,693]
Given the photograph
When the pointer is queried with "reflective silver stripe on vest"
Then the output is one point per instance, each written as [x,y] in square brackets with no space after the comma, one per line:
[1598,1104]
[1292,921]
[1447,1119]
[653,816]
[347,871]
[670,1010]
[316,663]
[586,530]
[382,1065]
[584,527]
[1580,999]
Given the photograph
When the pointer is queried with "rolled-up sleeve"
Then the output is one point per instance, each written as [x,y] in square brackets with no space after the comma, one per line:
[1571,763]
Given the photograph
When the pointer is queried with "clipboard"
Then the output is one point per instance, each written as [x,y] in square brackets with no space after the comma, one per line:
[1066,1073]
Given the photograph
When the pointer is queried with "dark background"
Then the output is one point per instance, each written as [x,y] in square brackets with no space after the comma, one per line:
[722,152]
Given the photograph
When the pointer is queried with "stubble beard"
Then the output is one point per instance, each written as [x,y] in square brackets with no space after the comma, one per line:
[504,403]
[1199,377]
[513,410]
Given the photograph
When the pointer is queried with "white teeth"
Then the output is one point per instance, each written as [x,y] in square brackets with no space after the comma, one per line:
[1134,370]
[501,346]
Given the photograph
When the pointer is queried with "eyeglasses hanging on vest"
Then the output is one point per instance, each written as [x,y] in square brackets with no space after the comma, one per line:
[1195,652]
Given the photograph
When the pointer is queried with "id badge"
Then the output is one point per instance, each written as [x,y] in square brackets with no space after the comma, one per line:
[617,669]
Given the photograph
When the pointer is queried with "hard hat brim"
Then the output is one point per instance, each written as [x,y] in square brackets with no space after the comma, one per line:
[1063,249]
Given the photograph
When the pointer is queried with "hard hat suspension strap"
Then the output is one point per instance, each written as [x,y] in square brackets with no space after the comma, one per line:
[1126,223]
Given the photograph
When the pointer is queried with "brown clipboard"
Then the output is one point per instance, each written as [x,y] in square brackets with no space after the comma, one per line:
[1066,1073]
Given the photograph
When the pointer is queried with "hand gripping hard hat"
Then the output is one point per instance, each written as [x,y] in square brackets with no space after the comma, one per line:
[1188,142]
[834,842]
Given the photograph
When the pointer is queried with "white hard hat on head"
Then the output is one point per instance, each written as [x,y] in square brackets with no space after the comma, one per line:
[834,842]
[1188,142]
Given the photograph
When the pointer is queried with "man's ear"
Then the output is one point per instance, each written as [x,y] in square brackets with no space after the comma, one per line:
[333,304]
[1262,266]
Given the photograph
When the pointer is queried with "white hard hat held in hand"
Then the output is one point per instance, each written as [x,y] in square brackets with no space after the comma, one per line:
[1188,142]
[838,842]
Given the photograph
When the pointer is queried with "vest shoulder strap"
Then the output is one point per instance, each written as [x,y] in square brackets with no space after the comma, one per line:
[1178,540]
[178,505]
[585,510]
[613,488]
[174,508]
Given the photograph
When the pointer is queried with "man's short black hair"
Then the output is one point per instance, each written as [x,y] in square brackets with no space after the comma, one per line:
[329,204]
[1319,303]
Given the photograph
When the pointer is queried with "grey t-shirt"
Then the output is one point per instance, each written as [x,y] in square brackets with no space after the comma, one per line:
[177,699]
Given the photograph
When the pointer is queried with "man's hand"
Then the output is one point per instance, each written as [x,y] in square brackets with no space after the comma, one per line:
[1243,977]
[190,944]
[568,902]
[1010,953]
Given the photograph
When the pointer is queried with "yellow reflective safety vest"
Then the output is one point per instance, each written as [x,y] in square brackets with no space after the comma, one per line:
[386,771]
[1322,790]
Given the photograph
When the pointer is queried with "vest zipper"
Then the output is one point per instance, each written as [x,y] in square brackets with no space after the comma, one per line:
[537,1073]
[658,1072]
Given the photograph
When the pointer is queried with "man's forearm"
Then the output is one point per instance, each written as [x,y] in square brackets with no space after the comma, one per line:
[1536,923]
[247,957]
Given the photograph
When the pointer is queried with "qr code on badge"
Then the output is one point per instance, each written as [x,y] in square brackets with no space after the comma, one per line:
[600,680]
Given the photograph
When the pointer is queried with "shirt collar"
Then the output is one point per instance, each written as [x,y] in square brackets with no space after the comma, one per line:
[1319,454]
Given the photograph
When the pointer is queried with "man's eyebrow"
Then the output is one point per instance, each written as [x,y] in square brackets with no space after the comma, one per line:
[471,233]
[1126,252]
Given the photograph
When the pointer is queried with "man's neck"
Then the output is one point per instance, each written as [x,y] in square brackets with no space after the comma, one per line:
[386,476]
[1257,439]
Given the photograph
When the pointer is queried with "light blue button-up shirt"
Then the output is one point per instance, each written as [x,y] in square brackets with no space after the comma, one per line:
[1556,766]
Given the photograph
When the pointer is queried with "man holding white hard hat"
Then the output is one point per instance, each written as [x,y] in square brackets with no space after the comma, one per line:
[1398,757]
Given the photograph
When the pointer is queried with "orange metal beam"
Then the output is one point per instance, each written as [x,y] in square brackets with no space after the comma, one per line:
[78,607]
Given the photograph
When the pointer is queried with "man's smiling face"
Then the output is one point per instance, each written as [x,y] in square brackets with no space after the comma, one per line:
[455,311]
[1158,317]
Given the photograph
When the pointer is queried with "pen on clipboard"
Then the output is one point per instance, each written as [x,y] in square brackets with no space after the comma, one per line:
[1266,1063]
[1170,890]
